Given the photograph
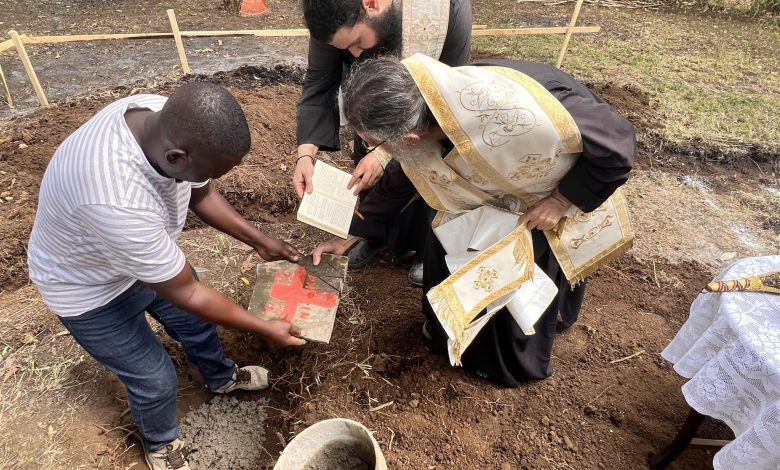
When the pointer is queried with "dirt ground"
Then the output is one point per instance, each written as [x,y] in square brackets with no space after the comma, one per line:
[692,214]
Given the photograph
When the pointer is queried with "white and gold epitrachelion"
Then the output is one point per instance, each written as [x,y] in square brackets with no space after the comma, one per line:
[513,142]
[424,25]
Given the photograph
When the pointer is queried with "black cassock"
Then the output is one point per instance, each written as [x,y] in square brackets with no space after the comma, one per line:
[318,123]
[501,350]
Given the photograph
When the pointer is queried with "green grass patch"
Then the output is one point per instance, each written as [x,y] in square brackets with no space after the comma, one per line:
[714,80]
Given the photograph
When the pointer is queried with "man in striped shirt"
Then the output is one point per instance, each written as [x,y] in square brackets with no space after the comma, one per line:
[103,250]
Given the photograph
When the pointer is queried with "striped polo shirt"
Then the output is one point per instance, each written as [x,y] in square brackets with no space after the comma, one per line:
[105,218]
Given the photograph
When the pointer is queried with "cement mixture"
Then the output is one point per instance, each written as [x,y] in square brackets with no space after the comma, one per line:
[225,434]
[339,456]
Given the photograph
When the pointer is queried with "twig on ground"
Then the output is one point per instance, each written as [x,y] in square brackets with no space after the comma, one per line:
[383,405]
[602,393]
[392,436]
[628,357]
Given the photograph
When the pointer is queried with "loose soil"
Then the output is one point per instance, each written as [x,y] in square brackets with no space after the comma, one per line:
[590,414]
[59,409]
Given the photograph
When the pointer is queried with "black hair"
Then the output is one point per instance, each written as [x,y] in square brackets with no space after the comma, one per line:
[205,115]
[325,17]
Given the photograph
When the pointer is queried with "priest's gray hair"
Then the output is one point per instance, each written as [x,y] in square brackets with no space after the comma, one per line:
[382,101]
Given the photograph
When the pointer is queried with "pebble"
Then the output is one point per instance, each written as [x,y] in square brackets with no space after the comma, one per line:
[414,403]
[506,466]
[568,443]
[545,421]
[616,418]
[23,146]
[9,198]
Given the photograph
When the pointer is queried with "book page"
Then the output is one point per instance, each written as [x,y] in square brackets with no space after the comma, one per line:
[331,205]
[327,212]
[332,182]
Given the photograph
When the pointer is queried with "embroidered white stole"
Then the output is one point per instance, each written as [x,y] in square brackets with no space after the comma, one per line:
[513,142]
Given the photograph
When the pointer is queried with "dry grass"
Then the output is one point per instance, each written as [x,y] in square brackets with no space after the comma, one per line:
[45,382]
[683,217]
[709,76]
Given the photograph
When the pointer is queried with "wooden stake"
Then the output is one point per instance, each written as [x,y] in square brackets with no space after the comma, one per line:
[568,32]
[534,31]
[478,30]
[28,67]
[185,66]
[5,45]
[5,86]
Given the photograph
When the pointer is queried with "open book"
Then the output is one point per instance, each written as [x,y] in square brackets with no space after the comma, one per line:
[331,205]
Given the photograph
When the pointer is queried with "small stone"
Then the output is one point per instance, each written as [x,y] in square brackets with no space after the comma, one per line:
[9,198]
[545,421]
[506,466]
[568,443]
[414,403]
[23,146]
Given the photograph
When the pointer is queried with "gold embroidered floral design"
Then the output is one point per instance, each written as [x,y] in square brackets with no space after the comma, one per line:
[580,216]
[476,178]
[533,166]
[486,279]
[441,180]
[577,242]
[500,112]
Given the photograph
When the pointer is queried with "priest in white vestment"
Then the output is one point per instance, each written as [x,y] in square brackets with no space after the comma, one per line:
[524,166]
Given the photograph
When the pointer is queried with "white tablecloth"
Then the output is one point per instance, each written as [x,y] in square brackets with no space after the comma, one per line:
[730,349]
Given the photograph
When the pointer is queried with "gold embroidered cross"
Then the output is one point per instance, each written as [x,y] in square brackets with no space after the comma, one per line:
[485,279]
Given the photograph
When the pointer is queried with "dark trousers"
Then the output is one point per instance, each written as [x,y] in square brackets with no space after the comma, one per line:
[118,336]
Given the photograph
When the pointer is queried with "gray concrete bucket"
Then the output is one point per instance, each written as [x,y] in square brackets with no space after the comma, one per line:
[333,444]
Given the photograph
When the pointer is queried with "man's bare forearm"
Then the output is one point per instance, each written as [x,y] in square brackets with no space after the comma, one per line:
[213,209]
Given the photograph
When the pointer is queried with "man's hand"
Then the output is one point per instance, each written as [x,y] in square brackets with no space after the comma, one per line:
[368,171]
[282,334]
[302,176]
[545,214]
[184,291]
[336,246]
[271,249]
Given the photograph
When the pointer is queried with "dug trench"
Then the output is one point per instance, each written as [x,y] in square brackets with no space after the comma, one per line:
[592,413]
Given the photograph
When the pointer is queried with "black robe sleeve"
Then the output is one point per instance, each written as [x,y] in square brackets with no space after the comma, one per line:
[608,149]
[457,44]
[318,112]
[379,206]
[608,140]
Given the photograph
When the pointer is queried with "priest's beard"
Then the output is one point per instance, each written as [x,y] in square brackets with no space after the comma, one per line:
[388,29]
[419,154]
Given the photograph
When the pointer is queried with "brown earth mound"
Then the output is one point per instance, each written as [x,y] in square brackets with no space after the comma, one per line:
[592,413]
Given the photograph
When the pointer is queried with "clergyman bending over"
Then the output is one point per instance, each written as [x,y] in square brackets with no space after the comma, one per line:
[498,141]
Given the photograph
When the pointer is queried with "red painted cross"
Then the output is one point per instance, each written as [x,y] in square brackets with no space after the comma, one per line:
[296,293]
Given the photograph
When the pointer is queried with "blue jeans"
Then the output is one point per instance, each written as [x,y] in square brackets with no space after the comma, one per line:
[118,336]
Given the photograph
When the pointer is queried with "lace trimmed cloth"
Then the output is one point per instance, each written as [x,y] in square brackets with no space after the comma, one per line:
[730,350]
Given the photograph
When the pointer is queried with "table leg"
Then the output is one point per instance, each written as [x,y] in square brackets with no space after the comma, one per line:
[663,458]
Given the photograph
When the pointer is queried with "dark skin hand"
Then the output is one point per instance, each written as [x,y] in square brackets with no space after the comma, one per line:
[209,205]
[184,291]
[187,293]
